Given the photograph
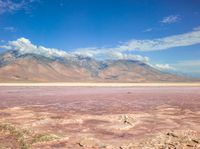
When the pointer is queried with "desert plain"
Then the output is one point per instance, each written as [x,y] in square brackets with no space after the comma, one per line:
[100,117]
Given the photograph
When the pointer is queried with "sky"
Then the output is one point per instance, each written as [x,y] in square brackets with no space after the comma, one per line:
[163,33]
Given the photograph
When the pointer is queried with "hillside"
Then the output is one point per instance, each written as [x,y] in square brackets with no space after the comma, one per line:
[30,67]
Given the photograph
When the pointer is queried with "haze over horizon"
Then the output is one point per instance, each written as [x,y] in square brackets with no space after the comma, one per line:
[164,34]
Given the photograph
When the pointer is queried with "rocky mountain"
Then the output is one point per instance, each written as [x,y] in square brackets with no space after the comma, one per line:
[30,67]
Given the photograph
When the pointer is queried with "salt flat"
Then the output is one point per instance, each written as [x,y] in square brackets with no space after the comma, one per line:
[102,84]
[99,117]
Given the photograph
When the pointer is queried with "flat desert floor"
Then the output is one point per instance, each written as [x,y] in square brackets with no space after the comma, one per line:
[66,117]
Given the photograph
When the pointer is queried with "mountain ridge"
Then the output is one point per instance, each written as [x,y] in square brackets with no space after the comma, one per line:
[31,67]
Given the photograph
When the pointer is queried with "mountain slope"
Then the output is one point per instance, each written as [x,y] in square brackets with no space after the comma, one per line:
[31,67]
[17,67]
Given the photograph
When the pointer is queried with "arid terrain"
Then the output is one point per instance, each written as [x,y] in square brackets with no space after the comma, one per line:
[99,117]
[30,67]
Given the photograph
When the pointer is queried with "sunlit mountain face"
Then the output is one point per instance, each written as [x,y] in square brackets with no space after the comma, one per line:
[58,66]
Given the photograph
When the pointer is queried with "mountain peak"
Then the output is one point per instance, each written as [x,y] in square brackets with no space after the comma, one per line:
[29,65]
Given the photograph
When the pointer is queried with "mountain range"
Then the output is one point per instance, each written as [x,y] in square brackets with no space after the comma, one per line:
[31,67]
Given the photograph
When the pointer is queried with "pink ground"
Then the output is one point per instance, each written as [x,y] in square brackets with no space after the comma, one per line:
[103,117]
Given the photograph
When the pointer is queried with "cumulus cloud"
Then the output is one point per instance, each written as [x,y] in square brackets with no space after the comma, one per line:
[185,39]
[125,56]
[171,19]
[122,51]
[164,67]
[24,45]
[11,6]
[109,54]
[88,52]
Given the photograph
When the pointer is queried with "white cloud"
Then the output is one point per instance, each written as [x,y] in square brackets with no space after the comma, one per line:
[11,6]
[164,67]
[120,55]
[122,51]
[185,39]
[108,54]
[88,52]
[171,19]
[9,29]
[180,40]
[25,46]
[148,30]
[7,47]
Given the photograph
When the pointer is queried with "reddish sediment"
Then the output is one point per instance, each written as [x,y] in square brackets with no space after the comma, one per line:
[102,117]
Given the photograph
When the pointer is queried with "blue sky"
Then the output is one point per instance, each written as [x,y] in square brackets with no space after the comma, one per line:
[163,33]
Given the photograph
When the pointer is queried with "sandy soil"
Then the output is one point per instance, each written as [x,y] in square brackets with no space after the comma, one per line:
[100,117]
